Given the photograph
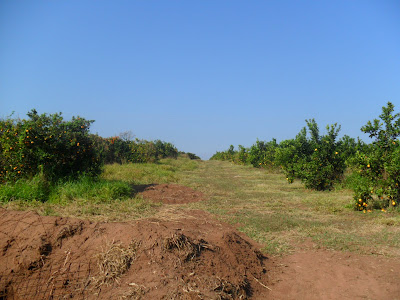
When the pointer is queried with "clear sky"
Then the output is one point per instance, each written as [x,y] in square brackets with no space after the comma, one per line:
[201,74]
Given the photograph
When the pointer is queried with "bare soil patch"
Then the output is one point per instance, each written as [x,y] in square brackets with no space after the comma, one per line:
[192,256]
[324,274]
[171,194]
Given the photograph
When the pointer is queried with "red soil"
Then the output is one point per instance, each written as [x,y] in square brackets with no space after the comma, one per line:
[189,257]
[171,194]
[322,274]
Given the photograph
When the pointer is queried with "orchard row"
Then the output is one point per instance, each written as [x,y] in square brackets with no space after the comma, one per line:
[55,148]
[320,161]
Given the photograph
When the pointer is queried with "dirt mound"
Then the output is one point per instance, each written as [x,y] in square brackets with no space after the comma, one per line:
[190,256]
[171,194]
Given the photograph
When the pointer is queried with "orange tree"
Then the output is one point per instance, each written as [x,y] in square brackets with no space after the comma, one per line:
[292,154]
[46,144]
[143,151]
[242,155]
[112,149]
[316,160]
[165,149]
[262,153]
[225,155]
[379,164]
[124,150]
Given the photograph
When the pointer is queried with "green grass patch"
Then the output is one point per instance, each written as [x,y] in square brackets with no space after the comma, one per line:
[164,171]
[35,189]
[90,189]
[110,197]
[86,188]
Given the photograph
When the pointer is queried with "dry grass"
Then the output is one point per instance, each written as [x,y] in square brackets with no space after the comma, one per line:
[228,290]
[284,216]
[116,210]
[114,261]
[186,248]
[136,292]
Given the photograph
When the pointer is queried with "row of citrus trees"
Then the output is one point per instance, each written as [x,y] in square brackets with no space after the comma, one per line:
[56,148]
[320,161]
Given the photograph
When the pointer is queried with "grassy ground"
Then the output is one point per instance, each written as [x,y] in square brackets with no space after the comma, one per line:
[282,216]
[111,198]
[262,204]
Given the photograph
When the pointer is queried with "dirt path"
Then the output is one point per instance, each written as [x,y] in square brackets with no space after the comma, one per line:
[323,274]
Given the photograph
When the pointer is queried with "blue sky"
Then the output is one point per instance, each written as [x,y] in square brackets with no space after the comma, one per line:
[201,74]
